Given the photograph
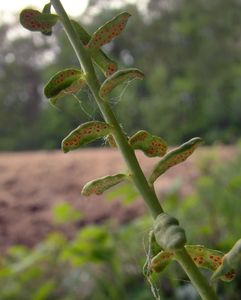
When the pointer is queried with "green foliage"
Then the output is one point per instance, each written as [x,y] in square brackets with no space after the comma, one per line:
[64,213]
[97,255]
[190,78]
[126,192]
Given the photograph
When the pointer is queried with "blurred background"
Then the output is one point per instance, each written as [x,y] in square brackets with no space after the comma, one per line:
[56,244]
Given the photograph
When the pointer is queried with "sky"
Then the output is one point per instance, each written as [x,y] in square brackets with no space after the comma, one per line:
[73,7]
[10,7]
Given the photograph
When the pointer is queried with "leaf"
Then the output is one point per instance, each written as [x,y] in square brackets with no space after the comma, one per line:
[100,185]
[117,78]
[68,81]
[34,20]
[203,258]
[106,65]
[84,134]
[151,145]
[108,31]
[231,261]
[174,157]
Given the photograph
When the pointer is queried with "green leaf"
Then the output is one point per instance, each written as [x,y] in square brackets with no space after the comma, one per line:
[203,258]
[151,145]
[117,78]
[34,20]
[68,81]
[44,291]
[84,134]
[106,65]
[108,31]
[231,261]
[174,157]
[100,185]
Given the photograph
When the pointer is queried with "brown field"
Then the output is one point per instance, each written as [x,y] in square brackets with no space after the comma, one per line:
[32,182]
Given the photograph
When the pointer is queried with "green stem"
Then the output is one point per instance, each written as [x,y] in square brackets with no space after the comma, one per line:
[139,179]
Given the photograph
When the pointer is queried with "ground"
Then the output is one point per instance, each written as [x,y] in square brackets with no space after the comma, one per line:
[32,182]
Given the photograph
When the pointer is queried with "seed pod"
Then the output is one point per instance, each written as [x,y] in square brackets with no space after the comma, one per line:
[34,20]
[151,145]
[100,185]
[106,65]
[169,235]
[108,31]
[84,134]
[174,157]
[117,78]
[231,261]
[68,81]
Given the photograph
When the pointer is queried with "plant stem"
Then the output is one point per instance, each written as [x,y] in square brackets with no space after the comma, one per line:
[128,153]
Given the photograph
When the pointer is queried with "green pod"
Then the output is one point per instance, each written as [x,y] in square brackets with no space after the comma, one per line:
[151,145]
[34,20]
[108,31]
[106,65]
[169,235]
[117,78]
[174,157]
[100,185]
[84,134]
[65,82]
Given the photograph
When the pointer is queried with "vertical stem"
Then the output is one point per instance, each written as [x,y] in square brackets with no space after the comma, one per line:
[139,179]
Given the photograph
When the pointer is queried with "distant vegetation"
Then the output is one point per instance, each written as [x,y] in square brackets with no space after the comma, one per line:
[189,51]
[95,264]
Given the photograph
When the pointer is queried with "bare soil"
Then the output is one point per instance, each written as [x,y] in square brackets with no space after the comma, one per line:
[32,182]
